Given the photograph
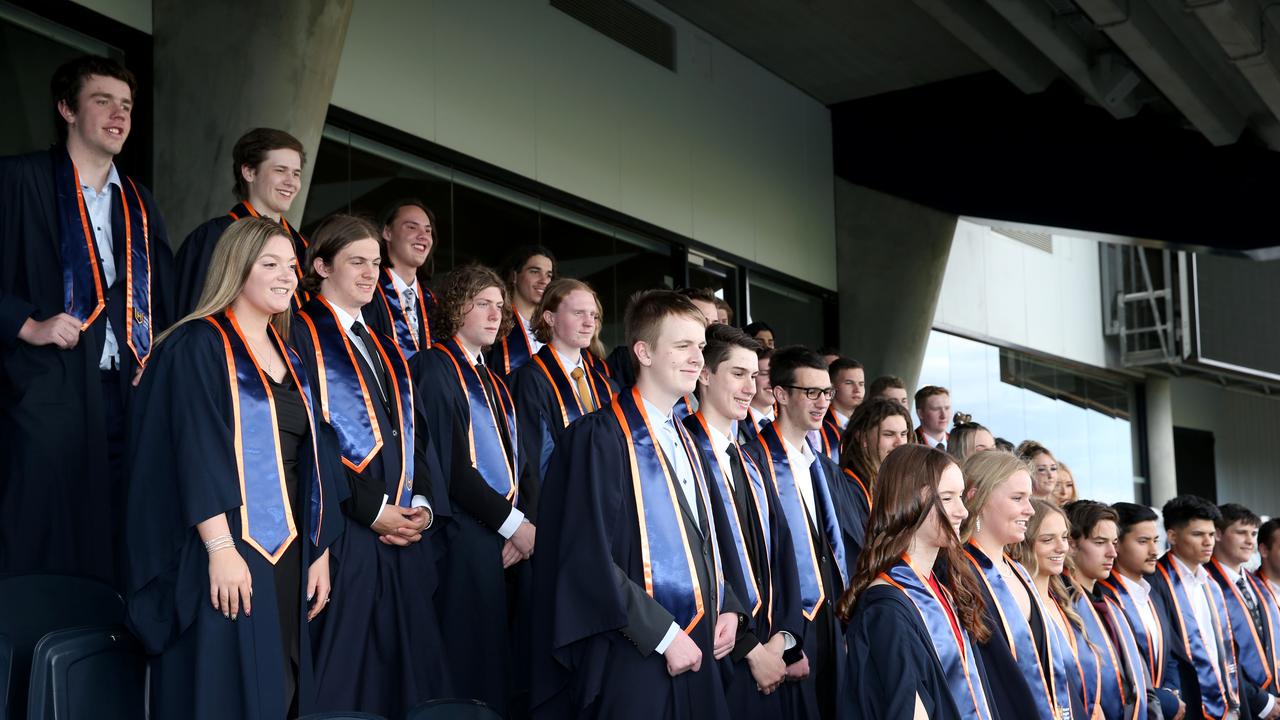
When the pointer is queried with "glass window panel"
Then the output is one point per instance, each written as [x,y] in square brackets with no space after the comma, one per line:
[795,316]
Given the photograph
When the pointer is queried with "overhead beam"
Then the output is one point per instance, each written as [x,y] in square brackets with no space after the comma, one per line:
[1151,46]
[990,37]
[1237,26]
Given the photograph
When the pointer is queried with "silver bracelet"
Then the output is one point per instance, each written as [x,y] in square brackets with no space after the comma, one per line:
[221,542]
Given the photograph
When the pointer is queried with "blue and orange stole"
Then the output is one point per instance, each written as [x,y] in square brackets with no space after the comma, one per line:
[1103,663]
[1257,651]
[562,386]
[954,656]
[84,289]
[266,517]
[670,575]
[392,302]
[701,435]
[1051,701]
[1151,645]
[346,401]
[1217,694]
[778,467]
[514,350]
[488,456]
[857,482]
[245,209]
[829,433]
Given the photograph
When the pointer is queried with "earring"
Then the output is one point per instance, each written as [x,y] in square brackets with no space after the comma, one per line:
[977,524]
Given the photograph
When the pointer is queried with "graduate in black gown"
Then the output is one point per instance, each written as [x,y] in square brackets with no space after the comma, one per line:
[266,167]
[85,276]
[494,495]
[633,603]
[827,522]
[233,497]
[875,429]
[378,647]
[754,531]
[761,410]
[998,496]
[913,620]
[403,306]
[528,270]
[563,382]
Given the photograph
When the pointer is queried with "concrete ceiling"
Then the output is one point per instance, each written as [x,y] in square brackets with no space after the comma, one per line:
[837,50]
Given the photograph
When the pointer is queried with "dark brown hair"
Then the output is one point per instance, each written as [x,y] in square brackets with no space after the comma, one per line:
[721,340]
[722,304]
[884,382]
[334,233]
[458,292]
[859,444]
[69,79]
[557,290]
[900,505]
[251,150]
[929,391]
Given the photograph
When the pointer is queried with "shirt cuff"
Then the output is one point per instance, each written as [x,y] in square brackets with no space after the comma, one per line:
[512,524]
[667,639]
[1271,705]
[420,501]
[378,514]
[788,640]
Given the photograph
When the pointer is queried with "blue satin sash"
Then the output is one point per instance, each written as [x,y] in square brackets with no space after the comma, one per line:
[484,440]
[1129,652]
[515,349]
[562,385]
[1102,665]
[1065,655]
[300,297]
[755,487]
[1150,645]
[683,408]
[266,517]
[963,679]
[347,402]
[670,575]
[403,333]
[1017,631]
[1217,694]
[83,285]
[812,592]
[1256,659]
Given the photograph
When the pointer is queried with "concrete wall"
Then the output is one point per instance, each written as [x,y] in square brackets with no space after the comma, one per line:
[1245,428]
[134,13]
[1010,293]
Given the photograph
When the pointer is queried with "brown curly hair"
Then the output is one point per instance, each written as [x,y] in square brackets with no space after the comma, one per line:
[901,503]
[457,292]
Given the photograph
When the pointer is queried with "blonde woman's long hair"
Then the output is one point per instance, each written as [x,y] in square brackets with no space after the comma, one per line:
[233,258]
[1025,553]
[983,473]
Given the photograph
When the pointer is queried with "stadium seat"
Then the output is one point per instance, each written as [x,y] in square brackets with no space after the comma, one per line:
[453,710]
[92,672]
[31,606]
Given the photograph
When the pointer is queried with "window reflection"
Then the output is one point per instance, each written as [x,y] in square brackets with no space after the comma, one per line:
[796,317]
[1084,420]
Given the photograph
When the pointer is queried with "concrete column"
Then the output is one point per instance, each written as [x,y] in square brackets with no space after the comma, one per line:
[223,68]
[1163,468]
[890,256]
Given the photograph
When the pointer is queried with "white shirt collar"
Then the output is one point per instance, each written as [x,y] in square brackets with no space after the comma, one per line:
[113,178]
[719,441]
[569,361]
[401,286]
[656,413]
[1139,587]
[1232,575]
[345,319]
[804,451]
[1197,574]
[841,419]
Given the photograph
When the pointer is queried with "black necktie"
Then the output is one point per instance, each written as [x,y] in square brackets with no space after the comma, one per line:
[1250,602]
[375,362]
[735,464]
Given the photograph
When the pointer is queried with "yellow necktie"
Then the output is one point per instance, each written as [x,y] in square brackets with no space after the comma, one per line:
[584,392]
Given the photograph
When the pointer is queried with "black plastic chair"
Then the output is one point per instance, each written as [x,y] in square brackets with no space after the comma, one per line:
[32,606]
[453,709]
[342,716]
[95,672]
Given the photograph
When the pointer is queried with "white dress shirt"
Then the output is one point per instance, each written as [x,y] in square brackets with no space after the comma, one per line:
[720,447]
[515,517]
[526,326]
[841,419]
[800,461]
[931,441]
[763,416]
[408,294]
[98,206]
[1197,582]
[1140,590]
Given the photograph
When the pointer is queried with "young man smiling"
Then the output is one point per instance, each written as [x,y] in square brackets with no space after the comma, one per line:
[404,306]
[84,289]
[529,270]
[633,603]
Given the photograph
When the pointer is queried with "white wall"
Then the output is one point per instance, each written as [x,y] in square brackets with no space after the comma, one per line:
[721,151]
[1245,428]
[1009,293]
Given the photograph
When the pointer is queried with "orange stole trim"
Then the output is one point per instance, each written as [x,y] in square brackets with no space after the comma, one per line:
[1186,640]
[417,346]
[1257,641]
[406,449]
[239,445]
[564,412]
[128,273]
[324,387]
[813,549]
[471,438]
[1154,651]
[861,486]
[93,251]
[675,507]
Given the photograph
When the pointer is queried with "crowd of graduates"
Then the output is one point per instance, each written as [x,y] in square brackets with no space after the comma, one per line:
[322,485]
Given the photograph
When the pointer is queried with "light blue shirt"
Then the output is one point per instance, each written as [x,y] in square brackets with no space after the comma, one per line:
[669,441]
[98,205]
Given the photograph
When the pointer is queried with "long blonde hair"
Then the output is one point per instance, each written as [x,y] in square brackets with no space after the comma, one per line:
[233,258]
[983,473]
[1025,553]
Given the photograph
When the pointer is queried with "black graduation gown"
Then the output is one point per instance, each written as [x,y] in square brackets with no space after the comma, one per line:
[53,404]
[182,472]
[773,563]
[621,368]
[541,422]
[192,261]
[378,647]
[485,609]
[593,637]
[1179,672]
[891,661]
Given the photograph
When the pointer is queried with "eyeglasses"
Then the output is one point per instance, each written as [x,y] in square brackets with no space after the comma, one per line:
[812,392]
